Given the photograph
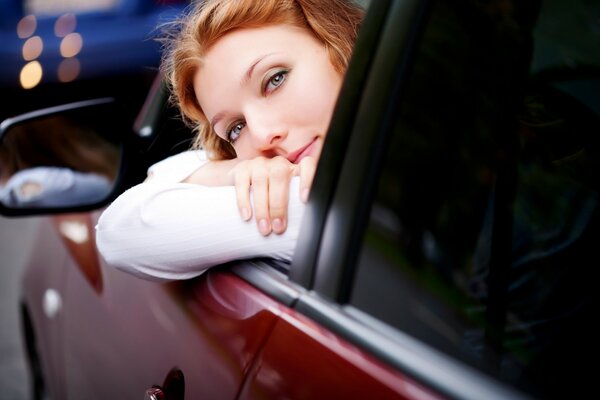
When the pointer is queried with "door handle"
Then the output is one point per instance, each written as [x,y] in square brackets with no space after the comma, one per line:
[154,393]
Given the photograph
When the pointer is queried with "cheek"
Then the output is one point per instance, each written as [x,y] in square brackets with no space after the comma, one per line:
[315,101]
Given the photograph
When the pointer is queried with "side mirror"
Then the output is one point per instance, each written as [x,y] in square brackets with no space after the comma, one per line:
[62,159]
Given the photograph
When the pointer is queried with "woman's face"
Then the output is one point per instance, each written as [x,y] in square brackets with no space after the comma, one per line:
[269,91]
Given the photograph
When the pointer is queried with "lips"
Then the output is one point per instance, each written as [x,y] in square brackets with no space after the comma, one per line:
[302,152]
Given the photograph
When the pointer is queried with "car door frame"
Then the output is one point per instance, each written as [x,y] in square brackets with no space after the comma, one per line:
[321,272]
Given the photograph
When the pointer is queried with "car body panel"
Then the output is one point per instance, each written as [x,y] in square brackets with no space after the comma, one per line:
[303,360]
[46,270]
[210,328]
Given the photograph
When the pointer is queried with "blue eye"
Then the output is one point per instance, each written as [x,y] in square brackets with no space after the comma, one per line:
[275,81]
[235,131]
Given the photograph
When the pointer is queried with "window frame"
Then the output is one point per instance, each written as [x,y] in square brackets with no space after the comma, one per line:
[334,154]
[322,270]
[338,210]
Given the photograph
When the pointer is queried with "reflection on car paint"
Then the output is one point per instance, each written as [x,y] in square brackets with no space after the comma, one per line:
[77,232]
[51,303]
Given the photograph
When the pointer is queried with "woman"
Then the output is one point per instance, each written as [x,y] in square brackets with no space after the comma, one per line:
[259,81]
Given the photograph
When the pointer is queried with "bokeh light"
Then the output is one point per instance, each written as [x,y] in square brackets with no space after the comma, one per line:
[31,75]
[26,26]
[65,24]
[32,48]
[71,45]
[69,69]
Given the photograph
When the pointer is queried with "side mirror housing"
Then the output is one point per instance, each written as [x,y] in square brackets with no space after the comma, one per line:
[62,159]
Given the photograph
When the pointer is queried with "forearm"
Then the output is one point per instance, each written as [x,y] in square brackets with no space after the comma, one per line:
[177,231]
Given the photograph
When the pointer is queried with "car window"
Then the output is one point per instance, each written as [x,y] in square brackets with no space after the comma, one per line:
[482,230]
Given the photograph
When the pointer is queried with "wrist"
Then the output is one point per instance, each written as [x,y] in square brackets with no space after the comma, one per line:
[213,173]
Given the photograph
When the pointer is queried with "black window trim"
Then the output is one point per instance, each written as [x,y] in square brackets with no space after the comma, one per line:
[334,151]
[351,199]
[269,279]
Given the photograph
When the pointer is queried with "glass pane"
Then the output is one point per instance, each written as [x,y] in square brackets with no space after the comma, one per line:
[62,160]
[480,239]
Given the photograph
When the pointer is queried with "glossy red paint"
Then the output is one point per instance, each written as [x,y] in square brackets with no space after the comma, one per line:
[46,270]
[210,329]
[116,334]
[226,337]
[303,360]
[78,235]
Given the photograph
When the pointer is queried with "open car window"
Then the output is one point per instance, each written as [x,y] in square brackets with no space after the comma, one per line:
[481,236]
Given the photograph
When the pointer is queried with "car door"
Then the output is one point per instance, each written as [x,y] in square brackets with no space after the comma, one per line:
[213,329]
[126,336]
[93,331]
[306,356]
[448,246]
[96,332]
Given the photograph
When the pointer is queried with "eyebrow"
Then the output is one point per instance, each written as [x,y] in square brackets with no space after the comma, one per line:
[250,70]
[215,120]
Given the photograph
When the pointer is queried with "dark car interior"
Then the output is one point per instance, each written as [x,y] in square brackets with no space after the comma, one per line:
[493,221]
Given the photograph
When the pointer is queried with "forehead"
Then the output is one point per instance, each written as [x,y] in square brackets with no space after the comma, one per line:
[248,41]
[226,63]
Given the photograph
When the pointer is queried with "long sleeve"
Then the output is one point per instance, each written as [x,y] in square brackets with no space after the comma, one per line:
[167,231]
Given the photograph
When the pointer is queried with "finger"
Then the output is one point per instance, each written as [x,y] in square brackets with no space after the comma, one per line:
[308,167]
[260,198]
[242,193]
[280,174]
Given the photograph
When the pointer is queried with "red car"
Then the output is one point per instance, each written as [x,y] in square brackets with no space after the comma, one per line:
[446,252]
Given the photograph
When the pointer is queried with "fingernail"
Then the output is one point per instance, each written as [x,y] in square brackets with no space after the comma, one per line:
[263,227]
[277,225]
[304,195]
[245,214]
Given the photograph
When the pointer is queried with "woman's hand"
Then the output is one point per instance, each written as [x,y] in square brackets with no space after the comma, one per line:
[269,180]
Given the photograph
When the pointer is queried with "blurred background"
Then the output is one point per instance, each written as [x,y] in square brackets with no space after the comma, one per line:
[54,52]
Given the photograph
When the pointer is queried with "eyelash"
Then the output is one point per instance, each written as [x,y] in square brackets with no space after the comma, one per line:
[280,73]
[239,125]
[229,131]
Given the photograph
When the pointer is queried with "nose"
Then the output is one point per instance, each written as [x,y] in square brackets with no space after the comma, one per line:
[265,127]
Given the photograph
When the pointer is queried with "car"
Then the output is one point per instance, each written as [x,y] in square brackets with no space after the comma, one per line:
[447,249]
